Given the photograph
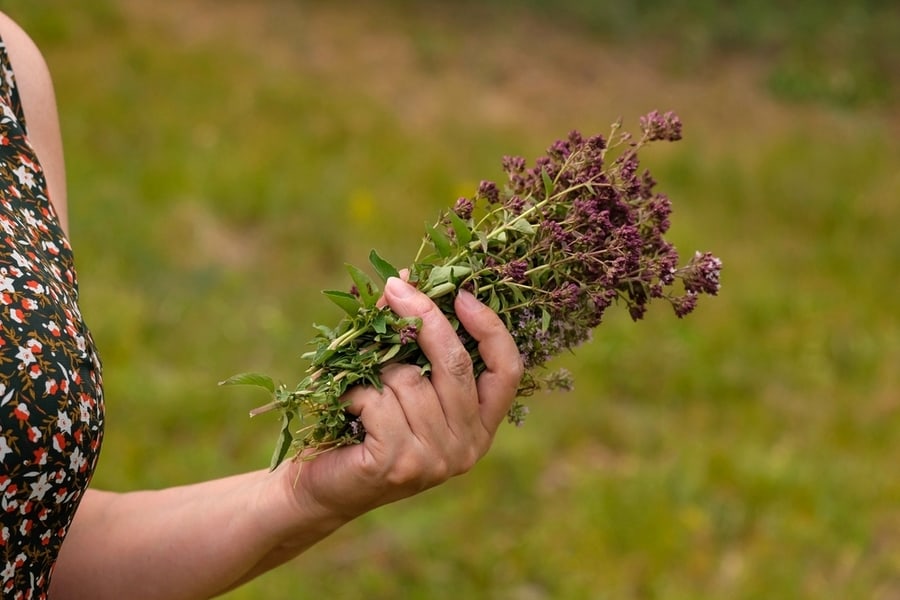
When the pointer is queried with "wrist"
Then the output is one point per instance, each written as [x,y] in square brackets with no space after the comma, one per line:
[297,518]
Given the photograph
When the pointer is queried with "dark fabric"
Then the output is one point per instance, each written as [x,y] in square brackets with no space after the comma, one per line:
[51,400]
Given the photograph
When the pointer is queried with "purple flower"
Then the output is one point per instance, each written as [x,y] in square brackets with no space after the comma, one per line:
[488,190]
[513,165]
[463,208]
[515,270]
[408,334]
[701,275]
[515,205]
[685,304]
[566,297]
[661,127]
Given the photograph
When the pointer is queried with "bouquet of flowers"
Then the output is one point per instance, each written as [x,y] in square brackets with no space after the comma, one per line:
[549,251]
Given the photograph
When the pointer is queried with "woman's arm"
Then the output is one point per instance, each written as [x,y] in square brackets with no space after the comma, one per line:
[193,541]
[198,541]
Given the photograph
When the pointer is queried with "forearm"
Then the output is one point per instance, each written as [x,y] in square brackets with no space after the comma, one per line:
[198,541]
[186,542]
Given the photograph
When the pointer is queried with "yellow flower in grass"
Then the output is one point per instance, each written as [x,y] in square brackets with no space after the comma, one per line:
[361,207]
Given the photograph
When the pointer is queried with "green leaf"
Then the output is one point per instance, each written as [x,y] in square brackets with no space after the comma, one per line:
[494,301]
[438,275]
[321,355]
[440,240]
[383,267]
[483,240]
[522,226]
[368,293]
[460,228]
[324,330]
[285,439]
[348,302]
[378,323]
[256,379]
[545,319]
[391,353]
[442,274]
[517,293]
[548,183]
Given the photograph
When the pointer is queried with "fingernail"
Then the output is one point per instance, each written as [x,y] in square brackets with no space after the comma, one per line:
[467,297]
[398,287]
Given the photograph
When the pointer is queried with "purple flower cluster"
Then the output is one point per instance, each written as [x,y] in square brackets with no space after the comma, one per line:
[579,231]
[661,127]
[515,270]
[408,334]
[488,191]
[463,208]
[701,275]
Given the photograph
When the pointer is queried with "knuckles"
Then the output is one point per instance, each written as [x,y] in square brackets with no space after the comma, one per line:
[417,471]
[402,376]
[516,369]
[458,362]
[420,467]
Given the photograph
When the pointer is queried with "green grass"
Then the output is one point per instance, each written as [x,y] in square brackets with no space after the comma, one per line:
[843,53]
[226,160]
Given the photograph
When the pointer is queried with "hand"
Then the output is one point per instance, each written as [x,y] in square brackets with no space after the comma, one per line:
[420,431]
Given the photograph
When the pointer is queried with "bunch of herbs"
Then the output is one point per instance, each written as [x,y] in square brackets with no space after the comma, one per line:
[580,230]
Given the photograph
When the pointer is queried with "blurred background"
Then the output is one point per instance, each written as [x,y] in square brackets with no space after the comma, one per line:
[225,159]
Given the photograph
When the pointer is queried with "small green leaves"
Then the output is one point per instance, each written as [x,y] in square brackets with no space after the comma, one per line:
[548,183]
[440,241]
[460,228]
[379,323]
[383,267]
[285,440]
[441,275]
[345,300]
[482,241]
[391,353]
[368,293]
[254,379]
[522,226]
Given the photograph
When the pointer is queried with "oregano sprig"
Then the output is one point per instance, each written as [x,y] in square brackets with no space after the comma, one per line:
[580,230]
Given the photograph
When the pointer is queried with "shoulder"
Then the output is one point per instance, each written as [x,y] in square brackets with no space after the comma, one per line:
[31,72]
[38,99]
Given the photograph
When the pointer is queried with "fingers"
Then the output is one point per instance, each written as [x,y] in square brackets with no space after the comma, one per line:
[421,406]
[407,405]
[382,302]
[420,430]
[407,438]
[497,385]
[452,375]
[451,366]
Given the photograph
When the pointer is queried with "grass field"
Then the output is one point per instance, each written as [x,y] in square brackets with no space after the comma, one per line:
[225,159]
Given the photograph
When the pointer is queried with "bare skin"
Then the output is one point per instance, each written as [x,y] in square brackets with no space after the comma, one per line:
[197,541]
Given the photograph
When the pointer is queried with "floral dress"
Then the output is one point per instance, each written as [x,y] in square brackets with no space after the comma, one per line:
[51,400]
